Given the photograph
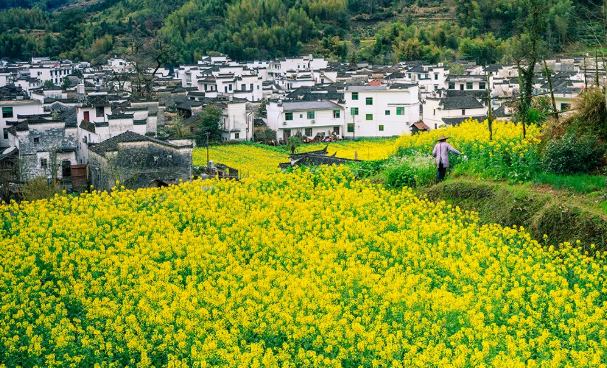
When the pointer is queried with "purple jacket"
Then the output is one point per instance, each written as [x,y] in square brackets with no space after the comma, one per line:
[441,151]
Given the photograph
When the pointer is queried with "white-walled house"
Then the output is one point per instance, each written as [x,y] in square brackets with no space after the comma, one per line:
[380,111]
[466,82]
[309,118]
[10,109]
[236,123]
[440,111]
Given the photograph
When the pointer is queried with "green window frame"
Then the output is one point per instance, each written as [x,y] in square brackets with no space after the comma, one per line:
[336,114]
[310,115]
[369,101]
[469,85]
[400,111]
[308,132]
[387,112]
[7,112]
[381,128]
[354,111]
[288,116]
[350,127]
[369,117]
[451,85]
[354,96]
[482,85]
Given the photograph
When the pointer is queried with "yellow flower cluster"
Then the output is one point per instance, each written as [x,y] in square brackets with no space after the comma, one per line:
[296,270]
[368,150]
[476,134]
[507,156]
[251,160]
[257,160]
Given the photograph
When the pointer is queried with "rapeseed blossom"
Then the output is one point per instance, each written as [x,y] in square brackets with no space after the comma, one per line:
[294,270]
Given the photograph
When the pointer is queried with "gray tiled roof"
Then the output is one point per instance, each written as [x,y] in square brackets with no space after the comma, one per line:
[310,105]
[460,102]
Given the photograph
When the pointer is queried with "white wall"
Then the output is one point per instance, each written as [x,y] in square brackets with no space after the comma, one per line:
[393,124]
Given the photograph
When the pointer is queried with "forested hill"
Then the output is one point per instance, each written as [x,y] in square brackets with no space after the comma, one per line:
[381,31]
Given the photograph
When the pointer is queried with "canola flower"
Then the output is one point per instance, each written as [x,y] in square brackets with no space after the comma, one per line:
[368,150]
[507,156]
[251,160]
[293,270]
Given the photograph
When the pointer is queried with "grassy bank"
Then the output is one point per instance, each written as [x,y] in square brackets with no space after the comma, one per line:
[550,216]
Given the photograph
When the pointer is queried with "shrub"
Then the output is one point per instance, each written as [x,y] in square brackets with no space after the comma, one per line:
[410,171]
[591,112]
[573,154]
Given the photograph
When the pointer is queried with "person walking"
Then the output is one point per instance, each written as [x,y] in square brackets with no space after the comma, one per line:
[441,152]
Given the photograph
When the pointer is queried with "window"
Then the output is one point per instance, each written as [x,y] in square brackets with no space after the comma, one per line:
[354,96]
[301,116]
[354,111]
[409,75]
[461,87]
[387,112]
[469,85]
[36,139]
[7,112]
[336,114]
[251,85]
[419,76]
[435,76]
[230,87]
[381,128]
[336,130]
[482,85]
[99,111]
[463,112]
[205,87]
[258,86]
[369,117]
[400,111]
[434,111]
[236,135]
[369,101]
[308,132]
[243,87]
[43,163]
[225,88]
[427,76]
[451,85]
[288,116]
[5,131]
[350,127]
[310,115]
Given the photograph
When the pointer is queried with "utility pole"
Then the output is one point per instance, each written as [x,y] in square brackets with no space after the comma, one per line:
[522,103]
[549,78]
[490,107]
[207,134]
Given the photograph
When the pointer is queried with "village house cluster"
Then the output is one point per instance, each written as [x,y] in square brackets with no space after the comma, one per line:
[83,124]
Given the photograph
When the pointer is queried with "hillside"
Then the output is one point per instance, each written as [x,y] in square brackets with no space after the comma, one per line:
[381,31]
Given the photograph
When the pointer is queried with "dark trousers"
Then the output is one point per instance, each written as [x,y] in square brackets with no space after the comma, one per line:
[442,171]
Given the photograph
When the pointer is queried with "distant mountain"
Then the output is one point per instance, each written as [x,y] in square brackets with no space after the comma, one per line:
[376,30]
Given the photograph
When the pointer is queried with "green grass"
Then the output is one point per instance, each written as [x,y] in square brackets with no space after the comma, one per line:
[582,183]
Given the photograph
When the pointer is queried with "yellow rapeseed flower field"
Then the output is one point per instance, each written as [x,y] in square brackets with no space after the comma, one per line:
[295,270]
[368,150]
[251,160]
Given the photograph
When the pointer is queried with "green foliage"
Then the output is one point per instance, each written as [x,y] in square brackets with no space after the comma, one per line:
[572,154]
[591,114]
[210,122]
[40,188]
[578,183]
[410,171]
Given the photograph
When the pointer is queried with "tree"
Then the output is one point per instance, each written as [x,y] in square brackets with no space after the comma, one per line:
[48,84]
[210,122]
[531,46]
[147,57]
[67,83]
